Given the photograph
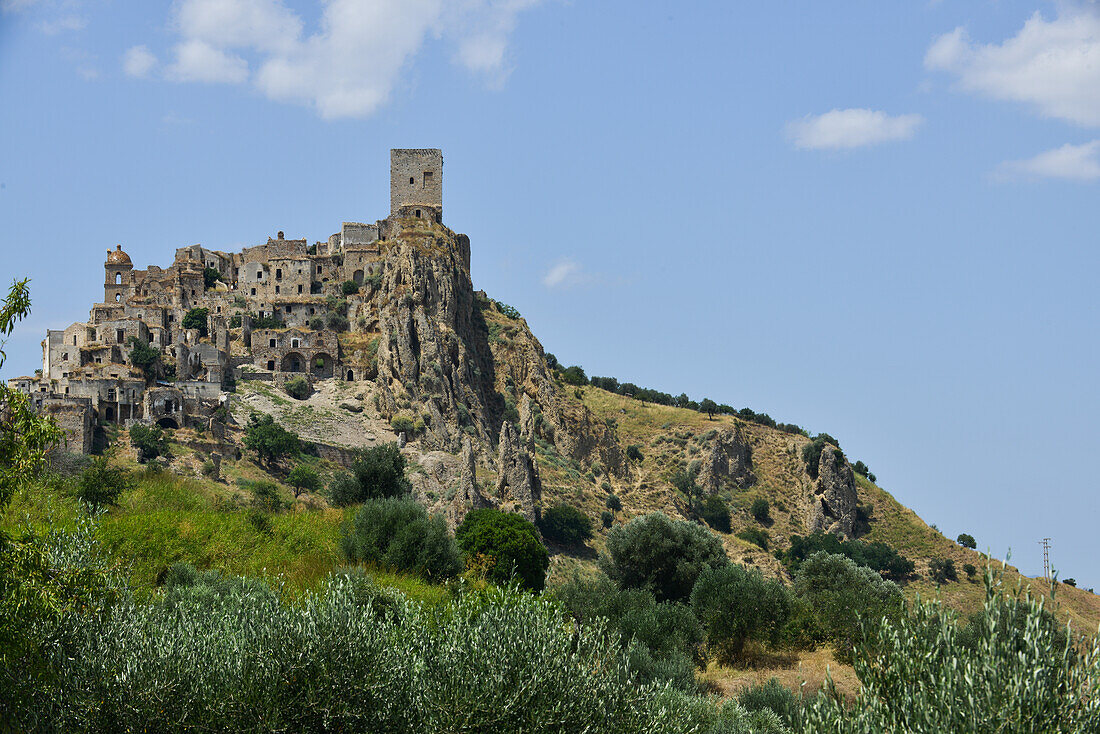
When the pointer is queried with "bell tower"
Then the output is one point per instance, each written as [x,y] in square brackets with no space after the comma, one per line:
[117,278]
[416,183]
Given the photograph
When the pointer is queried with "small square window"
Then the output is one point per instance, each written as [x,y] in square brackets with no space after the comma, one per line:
[412,180]
[271,342]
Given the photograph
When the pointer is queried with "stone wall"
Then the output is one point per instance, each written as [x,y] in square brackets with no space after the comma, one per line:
[416,177]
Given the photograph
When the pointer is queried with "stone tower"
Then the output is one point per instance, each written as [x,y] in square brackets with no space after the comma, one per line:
[116,278]
[416,183]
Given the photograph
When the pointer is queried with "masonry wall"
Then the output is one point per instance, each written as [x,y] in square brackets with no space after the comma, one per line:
[416,177]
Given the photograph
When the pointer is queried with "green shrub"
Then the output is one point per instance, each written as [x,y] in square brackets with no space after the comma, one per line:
[265,496]
[607,519]
[374,280]
[144,357]
[756,536]
[269,440]
[716,513]
[376,472]
[397,534]
[101,484]
[509,542]
[210,276]
[660,554]
[775,697]
[842,595]
[196,318]
[407,424]
[664,640]
[971,570]
[877,556]
[966,540]
[348,287]
[566,525]
[634,452]
[1019,673]
[297,387]
[761,510]
[1068,582]
[150,441]
[942,570]
[304,479]
[336,321]
[734,605]
[574,375]
[317,323]
[613,502]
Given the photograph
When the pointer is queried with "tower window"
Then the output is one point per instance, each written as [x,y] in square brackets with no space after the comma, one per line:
[412,179]
[253,291]
[271,342]
[299,289]
[118,278]
[418,214]
[276,289]
[278,274]
[427,178]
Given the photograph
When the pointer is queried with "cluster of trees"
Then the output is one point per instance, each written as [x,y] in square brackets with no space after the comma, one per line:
[877,556]
[675,600]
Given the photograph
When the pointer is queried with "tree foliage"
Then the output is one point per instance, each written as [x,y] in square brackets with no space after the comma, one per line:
[150,441]
[376,472]
[966,540]
[101,484]
[396,533]
[734,605]
[509,541]
[304,479]
[662,555]
[197,318]
[269,440]
[877,556]
[566,525]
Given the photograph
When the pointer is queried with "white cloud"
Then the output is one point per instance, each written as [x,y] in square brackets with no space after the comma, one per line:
[852,128]
[65,23]
[198,61]
[1053,65]
[138,62]
[12,6]
[563,273]
[1070,162]
[350,65]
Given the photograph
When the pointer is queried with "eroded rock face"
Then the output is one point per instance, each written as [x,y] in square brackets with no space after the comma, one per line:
[518,485]
[728,462]
[435,357]
[833,495]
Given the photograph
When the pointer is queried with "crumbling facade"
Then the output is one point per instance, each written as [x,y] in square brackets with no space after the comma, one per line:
[277,308]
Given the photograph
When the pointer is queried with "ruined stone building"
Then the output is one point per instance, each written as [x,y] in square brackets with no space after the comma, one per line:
[273,311]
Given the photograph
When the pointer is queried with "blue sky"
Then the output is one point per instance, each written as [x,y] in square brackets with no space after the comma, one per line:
[877,219]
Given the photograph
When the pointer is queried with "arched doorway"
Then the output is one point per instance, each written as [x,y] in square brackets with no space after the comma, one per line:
[293,362]
[322,366]
[351,376]
[167,422]
[358,277]
[109,414]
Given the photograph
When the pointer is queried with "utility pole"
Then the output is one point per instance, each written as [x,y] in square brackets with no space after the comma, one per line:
[1045,542]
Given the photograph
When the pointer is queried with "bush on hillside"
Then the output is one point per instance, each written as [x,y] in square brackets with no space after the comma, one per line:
[304,479]
[664,640]
[942,570]
[877,556]
[574,375]
[509,542]
[402,423]
[775,697]
[660,554]
[269,440]
[843,595]
[265,496]
[336,321]
[376,472]
[101,484]
[634,452]
[607,519]
[761,510]
[966,540]
[566,525]
[150,441]
[756,536]
[613,502]
[716,513]
[734,605]
[297,387]
[971,570]
[348,287]
[397,534]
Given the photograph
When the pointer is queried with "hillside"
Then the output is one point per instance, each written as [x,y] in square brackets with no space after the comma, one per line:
[490,419]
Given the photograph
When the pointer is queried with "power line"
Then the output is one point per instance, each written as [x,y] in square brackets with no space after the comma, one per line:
[1045,542]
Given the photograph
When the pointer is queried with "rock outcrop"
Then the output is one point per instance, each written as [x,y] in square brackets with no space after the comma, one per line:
[832,497]
[727,462]
[518,486]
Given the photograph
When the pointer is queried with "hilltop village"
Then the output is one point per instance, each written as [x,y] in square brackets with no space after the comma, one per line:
[273,312]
